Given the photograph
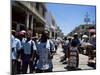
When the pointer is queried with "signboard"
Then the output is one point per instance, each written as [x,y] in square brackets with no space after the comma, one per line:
[86,20]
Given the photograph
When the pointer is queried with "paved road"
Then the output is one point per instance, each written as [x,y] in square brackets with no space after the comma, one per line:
[58,66]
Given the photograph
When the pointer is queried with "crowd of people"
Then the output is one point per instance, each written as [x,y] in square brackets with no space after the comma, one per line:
[36,53]
[83,45]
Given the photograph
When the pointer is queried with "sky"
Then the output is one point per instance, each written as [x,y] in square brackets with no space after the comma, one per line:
[68,16]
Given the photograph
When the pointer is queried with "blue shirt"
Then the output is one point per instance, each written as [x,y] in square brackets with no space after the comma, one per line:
[16,44]
[75,42]
[28,45]
[12,41]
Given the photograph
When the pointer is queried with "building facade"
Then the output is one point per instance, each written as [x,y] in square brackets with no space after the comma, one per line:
[28,15]
[51,25]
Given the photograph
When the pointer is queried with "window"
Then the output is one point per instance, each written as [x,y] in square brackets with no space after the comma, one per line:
[22,27]
[30,16]
[43,13]
[37,6]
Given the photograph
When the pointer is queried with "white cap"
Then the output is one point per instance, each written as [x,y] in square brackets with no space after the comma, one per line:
[75,33]
[84,36]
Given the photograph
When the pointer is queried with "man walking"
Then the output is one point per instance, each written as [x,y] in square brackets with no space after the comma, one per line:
[29,49]
[16,46]
[45,50]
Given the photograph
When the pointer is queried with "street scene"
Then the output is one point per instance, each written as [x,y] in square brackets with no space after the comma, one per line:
[52,37]
[58,66]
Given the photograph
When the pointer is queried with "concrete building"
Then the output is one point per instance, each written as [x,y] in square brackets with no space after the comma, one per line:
[51,24]
[28,15]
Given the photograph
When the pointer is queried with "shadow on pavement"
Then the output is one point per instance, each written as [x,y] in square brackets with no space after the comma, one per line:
[72,68]
[92,65]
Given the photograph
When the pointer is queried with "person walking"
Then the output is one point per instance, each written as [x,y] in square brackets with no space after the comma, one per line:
[45,50]
[35,39]
[28,55]
[73,58]
[65,48]
[21,37]
[16,46]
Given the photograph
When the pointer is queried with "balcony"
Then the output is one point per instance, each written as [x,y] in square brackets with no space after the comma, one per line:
[31,8]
